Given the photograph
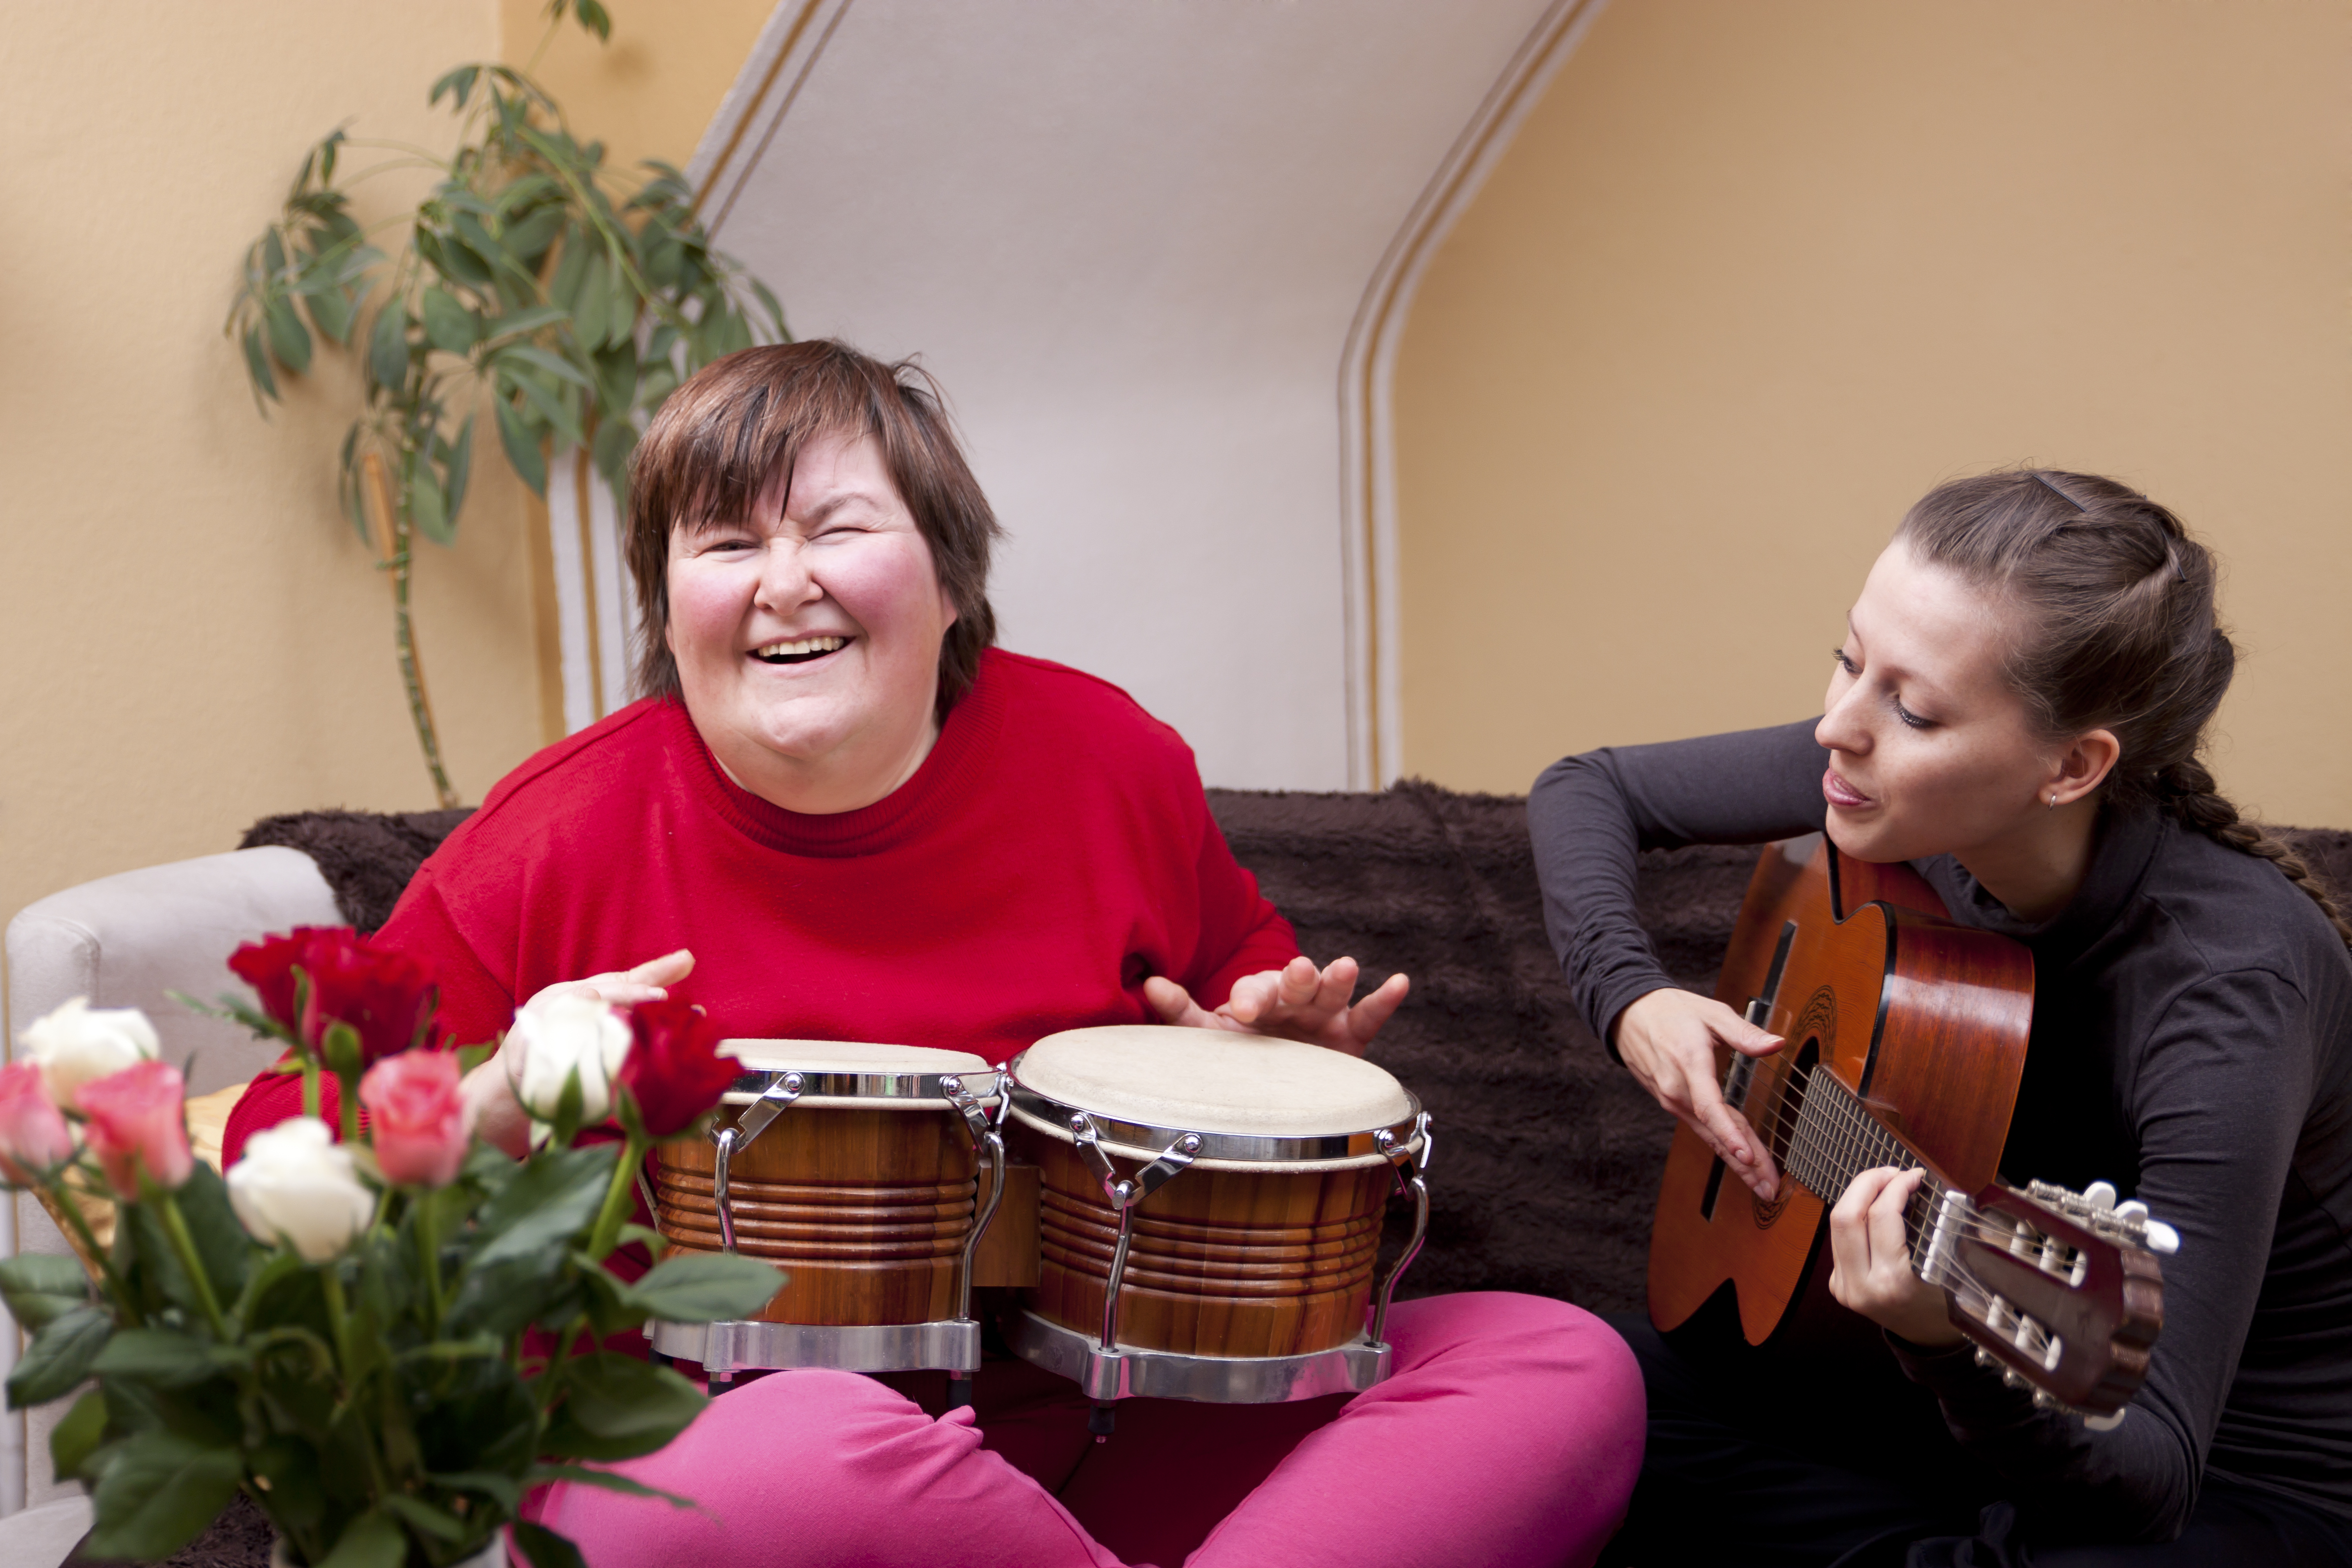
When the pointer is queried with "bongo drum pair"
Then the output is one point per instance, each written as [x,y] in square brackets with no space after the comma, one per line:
[1209,1214]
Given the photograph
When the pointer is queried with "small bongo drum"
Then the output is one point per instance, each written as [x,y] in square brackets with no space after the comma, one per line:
[855,1169]
[1211,1206]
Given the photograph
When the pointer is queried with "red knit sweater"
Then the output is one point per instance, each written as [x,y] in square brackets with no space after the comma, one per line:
[1053,851]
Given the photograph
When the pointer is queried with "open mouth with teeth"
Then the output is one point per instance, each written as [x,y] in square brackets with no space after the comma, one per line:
[804,651]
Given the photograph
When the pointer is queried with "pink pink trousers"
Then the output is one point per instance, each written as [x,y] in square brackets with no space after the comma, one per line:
[1508,1435]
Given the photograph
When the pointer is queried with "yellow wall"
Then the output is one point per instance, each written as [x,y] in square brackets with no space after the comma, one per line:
[190,636]
[1753,278]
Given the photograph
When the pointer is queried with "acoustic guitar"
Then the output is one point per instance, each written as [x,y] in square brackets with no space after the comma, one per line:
[1906,1037]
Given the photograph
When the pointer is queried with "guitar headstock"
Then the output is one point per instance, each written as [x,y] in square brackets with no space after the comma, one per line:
[2061,1290]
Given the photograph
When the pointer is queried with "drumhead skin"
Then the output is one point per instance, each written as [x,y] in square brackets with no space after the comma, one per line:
[1212,1081]
[902,1077]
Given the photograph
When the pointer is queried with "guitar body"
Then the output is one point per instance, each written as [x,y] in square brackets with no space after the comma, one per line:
[1858,969]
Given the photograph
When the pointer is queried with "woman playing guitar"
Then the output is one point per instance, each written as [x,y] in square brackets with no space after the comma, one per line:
[2017,710]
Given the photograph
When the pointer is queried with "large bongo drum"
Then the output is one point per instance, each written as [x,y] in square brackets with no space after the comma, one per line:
[1211,1207]
[858,1170]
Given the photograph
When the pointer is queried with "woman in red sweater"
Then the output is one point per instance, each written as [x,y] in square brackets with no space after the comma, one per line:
[845,816]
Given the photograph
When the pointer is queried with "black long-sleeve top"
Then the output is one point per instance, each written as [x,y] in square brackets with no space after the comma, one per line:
[2192,1043]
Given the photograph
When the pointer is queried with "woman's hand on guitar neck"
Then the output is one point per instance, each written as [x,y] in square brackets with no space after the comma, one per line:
[1871,1252]
[1667,1040]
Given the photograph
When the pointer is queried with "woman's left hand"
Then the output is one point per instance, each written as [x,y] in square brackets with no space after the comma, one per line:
[1873,1257]
[1298,1002]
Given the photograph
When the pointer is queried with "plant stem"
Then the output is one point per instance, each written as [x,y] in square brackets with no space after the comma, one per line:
[339,1322]
[617,1198]
[184,1246]
[64,1207]
[310,1085]
[392,524]
[428,1251]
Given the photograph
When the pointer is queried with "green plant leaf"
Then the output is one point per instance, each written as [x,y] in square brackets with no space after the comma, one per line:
[289,340]
[428,509]
[58,1356]
[553,365]
[596,19]
[449,326]
[372,1540]
[504,1491]
[516,323]
[603,1480]
[591,305]
[768,303]
[545,1549]
[164,1357]
[257,365]
[521,446]
[458,466]
[528,238]
[618,1407]
[459,83]
[424,1518]
[76,1436]
[331,312]
[39,1286]
[228,1252]
[159,1492]
[705,1288]
[615,440]
[552,409]
[388,346]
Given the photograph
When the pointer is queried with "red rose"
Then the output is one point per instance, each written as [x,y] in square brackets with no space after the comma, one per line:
[417,1118]
[386,997]
[673,1070]
[137,1120]
[268,966]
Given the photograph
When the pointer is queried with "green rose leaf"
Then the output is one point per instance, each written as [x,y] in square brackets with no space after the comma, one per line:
[75,1437]
[374,1539]
[164,1357]
[228,1252]
[704,1287]
[41,1286]
[603,1480]
[160,1489]
[59,1356]
[424,1518]
[618,1407]
[545,1549]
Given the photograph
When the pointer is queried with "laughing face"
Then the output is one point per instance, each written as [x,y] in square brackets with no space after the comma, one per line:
[1931,751]
[807,635]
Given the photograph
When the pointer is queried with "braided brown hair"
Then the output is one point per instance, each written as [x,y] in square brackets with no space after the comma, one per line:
[2124,635]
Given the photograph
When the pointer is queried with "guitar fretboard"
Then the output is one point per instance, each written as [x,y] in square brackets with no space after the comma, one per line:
[1835,1138]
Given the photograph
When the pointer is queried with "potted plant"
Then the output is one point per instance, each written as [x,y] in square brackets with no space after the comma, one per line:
[385,1340]
[532,283]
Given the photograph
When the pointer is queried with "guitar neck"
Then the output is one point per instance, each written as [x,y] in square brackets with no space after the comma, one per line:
[1835,1137]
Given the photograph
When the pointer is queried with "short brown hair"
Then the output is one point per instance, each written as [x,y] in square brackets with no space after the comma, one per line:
[717,438]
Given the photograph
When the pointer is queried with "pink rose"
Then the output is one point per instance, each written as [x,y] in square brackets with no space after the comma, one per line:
[34,1136]
[416,1117]
[137,1123]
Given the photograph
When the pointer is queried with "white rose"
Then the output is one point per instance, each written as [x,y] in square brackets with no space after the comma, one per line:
[77,1042]
[297,1183]
[554,1037]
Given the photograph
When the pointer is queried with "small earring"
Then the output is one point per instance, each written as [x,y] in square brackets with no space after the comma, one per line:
[2053,800]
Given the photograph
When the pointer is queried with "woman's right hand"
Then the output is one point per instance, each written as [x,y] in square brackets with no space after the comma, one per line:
[1667,1040]
[489,1089]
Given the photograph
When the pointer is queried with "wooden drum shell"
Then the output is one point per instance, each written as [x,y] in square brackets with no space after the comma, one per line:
[867,1210]
[1220,1262]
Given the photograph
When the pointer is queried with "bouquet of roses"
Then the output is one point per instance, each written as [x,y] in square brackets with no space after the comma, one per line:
[388,1340]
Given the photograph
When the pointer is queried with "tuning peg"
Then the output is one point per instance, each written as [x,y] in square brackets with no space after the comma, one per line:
[2107,1423]
[1985,1357]
[2013,1377]
[2155,1234]
[2044,1400]
[2100,1195]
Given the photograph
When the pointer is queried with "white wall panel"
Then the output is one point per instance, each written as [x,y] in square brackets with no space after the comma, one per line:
[1130,239]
